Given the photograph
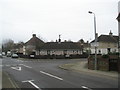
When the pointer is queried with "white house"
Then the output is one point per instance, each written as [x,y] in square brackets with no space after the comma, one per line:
[105,44]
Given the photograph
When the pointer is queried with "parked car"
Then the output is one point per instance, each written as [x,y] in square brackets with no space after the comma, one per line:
[14,56]
[32,56]
[3,53]
[8,54]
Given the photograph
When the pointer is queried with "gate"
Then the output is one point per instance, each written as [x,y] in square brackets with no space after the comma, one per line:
[113,64]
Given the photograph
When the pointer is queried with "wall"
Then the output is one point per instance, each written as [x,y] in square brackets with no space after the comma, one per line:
[105,63]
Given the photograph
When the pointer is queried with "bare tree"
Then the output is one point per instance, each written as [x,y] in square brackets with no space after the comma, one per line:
[81,41]
[7,45]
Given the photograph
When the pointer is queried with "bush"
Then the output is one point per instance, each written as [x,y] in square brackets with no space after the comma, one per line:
[116,53]
[105,56]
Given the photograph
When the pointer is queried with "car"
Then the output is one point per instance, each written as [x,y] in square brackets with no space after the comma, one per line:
[32,56]
[8,54]
[3,53]
[14,56]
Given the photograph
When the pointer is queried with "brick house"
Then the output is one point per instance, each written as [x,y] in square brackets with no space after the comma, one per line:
[32,45]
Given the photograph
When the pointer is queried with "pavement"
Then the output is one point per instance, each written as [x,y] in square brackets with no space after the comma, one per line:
[82,67]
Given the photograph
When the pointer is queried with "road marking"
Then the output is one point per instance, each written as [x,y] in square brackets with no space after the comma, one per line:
[51,75]
[17,68]
[19,61]
[27,81]
[86,87]
[12,82]
[7,65]
[34,85]
[30,81]
[25,66]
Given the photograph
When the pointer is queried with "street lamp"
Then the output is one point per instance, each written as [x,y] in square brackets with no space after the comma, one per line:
[95,39]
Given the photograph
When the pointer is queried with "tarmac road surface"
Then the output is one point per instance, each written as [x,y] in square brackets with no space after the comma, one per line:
[46,74]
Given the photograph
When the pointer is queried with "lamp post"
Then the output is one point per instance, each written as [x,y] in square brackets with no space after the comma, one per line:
[95,39]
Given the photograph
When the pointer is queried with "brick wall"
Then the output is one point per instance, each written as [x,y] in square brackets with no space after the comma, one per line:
[103,63]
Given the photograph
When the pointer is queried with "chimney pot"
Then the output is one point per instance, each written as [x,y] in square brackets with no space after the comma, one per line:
[110,33]
[34,35]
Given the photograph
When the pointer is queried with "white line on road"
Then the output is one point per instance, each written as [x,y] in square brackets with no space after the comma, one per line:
[86,87]
[34,85]
[17,68]
[25,66]
[27,80]
[51,75]
[7,65]
[30,81]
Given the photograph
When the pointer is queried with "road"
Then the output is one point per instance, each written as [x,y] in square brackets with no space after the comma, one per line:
[46,74]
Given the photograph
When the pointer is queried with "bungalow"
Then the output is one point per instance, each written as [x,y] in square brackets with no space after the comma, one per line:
[60,48]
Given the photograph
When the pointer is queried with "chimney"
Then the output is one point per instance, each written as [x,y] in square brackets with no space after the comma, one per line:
[110,33]
[56,41]
[34,35]
[59,41]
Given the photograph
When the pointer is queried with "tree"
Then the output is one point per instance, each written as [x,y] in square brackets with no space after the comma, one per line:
[81,41]
[18,45]
[7,45]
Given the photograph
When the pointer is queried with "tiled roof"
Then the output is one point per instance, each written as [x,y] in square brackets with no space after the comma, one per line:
[61,45]
[85,45]
[107,38]
[34,41]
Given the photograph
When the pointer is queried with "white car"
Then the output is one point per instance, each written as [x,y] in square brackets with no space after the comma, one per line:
[14,56]
[32,56]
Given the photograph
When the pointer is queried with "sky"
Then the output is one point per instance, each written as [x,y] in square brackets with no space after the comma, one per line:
[19,19]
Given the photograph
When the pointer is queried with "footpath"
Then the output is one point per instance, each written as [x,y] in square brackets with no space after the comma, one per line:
[81,66]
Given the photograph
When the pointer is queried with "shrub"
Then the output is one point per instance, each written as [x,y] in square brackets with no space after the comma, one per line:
[105,56]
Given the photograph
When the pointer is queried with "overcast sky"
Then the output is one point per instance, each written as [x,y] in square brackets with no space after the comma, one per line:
[19,19]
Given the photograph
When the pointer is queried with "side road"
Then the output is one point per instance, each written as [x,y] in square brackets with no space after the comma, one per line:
[81,66]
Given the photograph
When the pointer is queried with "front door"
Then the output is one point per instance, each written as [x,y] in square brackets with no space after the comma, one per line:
[108,50]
